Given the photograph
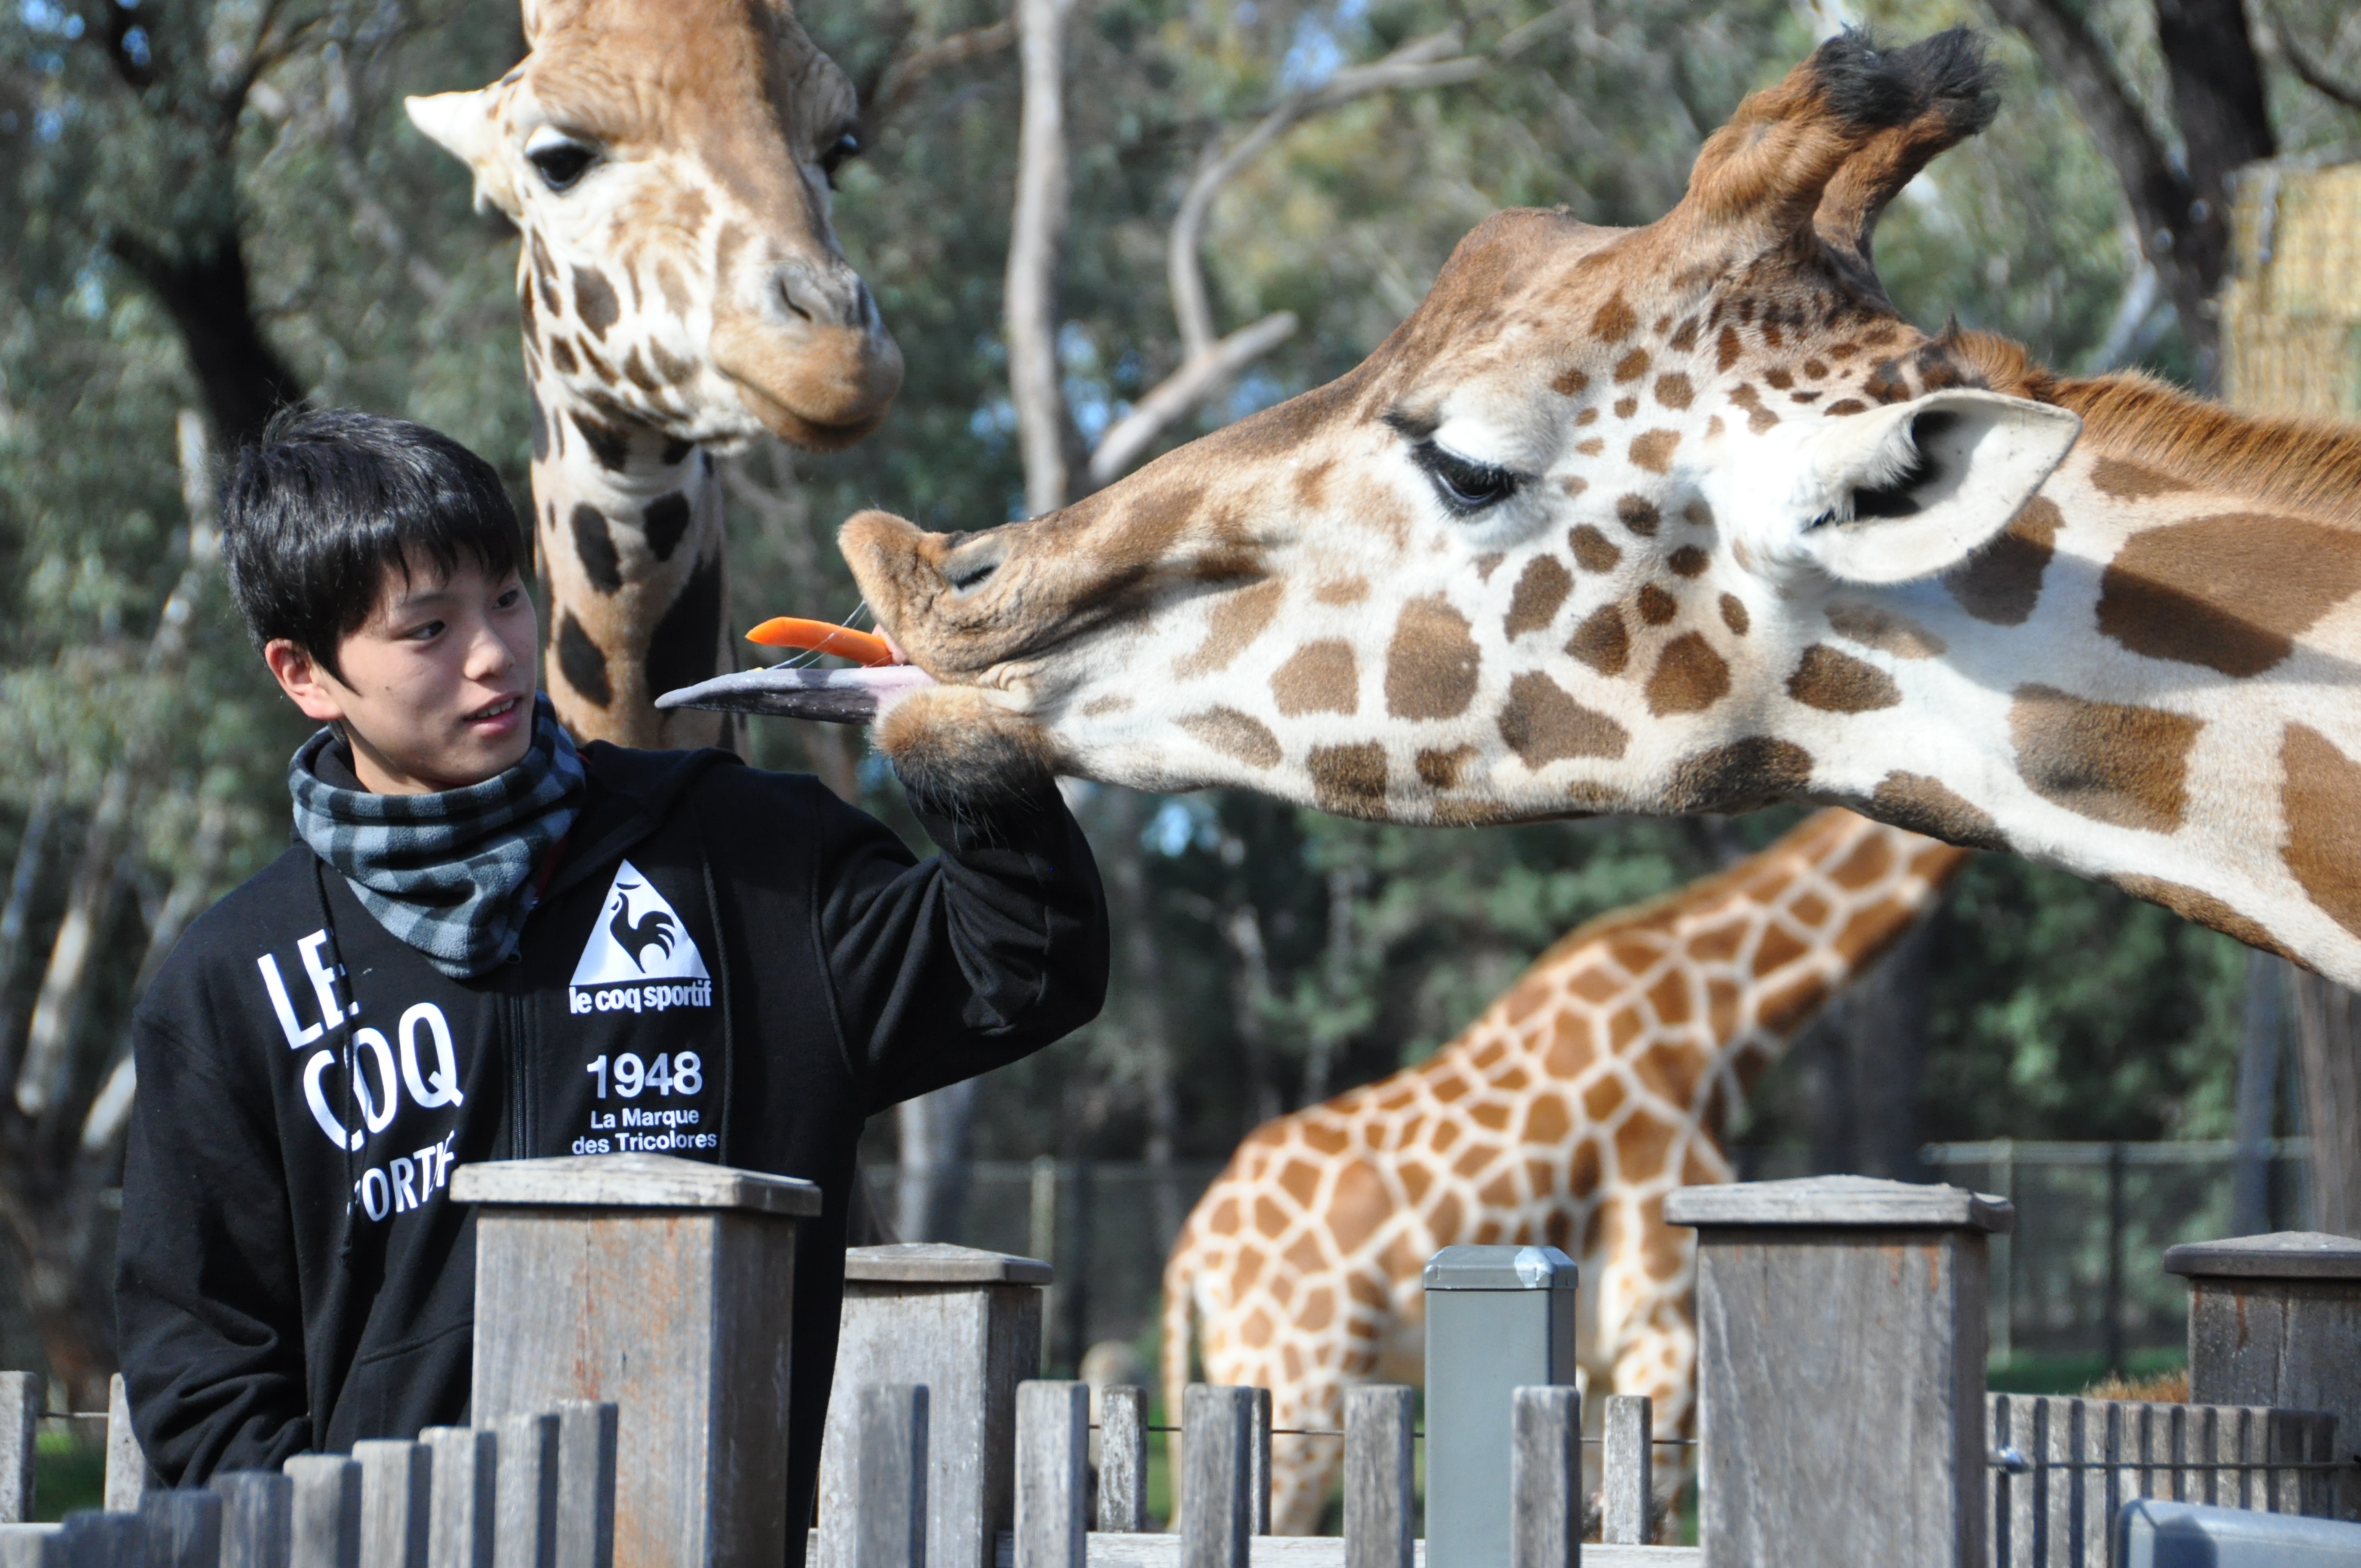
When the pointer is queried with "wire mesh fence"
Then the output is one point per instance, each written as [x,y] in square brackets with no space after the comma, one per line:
[2081,1277]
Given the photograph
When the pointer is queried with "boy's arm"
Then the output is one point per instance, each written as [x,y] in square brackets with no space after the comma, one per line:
[958,964]
[207,1307]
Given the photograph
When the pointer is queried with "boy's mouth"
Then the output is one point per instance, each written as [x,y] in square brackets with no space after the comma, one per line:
[493,711]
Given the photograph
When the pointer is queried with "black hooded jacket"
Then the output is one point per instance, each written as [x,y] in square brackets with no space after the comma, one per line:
[725,965]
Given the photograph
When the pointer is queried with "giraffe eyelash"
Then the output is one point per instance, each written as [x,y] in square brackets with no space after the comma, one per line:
[1464,485]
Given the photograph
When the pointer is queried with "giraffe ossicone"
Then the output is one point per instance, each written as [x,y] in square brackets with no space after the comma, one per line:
[1597,1084]
[1685,517]
[667,165]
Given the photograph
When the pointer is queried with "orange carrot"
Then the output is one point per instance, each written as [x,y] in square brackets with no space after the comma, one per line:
[822,637]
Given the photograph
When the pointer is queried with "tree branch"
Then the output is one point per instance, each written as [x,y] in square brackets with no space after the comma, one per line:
[1207,363]
[2158,195]
[1030,303]
[910,68]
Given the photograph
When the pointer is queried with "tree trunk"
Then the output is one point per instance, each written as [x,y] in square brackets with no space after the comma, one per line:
[206,291]
[2328,1031]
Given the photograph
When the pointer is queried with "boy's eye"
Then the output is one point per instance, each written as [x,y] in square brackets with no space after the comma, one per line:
[425,633]
[509,599]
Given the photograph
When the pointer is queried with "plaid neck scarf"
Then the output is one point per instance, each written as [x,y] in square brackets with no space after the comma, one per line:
[448,873]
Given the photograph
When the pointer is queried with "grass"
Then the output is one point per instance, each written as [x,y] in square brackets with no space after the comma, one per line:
[68,1474]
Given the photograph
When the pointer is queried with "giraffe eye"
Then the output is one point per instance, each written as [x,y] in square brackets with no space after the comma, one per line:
[1466,487]
[561,163]
[833,157]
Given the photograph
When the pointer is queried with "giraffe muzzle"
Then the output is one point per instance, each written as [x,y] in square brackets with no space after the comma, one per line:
[782,691]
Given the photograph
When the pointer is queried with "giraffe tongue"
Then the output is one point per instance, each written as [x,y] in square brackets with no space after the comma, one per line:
[835,696]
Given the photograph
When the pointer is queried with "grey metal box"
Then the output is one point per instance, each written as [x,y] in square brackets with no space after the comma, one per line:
[2150,1533]
[1498,1319]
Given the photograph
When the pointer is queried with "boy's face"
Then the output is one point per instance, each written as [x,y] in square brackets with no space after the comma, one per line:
[437,687]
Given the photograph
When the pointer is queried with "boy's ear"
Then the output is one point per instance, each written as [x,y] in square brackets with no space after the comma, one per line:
[304,682]
[465,126]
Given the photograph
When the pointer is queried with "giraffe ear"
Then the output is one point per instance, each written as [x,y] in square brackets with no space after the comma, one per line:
[465,127]
[1914,489]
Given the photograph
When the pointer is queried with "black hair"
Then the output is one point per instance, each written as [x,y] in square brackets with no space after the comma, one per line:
[329,500]
[1873,87]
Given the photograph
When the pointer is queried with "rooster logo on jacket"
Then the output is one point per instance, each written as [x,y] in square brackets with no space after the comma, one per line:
[652,929]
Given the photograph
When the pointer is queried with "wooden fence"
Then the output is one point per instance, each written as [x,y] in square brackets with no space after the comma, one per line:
[1843,1417]
[537,1491]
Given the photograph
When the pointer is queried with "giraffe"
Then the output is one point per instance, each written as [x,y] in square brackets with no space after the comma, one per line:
[1596,1084]
[667,164]
[1683,518]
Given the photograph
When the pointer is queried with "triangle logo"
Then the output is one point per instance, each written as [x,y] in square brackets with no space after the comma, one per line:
[639,936]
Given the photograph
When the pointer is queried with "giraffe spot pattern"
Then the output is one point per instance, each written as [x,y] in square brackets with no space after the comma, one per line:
[594,546]
[561,355]
[583,662]
[1653,450]
[1593,551]
[1688,561]
[1319,677]
[1570,382]
[1632,365]
[1235,734]
[1639,514]
[1734,616]
[1690,677]
[1541,588]
[1655,606]
[1836,681]
[595,304]
[609,446]
[2192,904]
[2002,583]
[1602,640]
[1543,724]
[1626,407]
[1739,776]
[1439,770]
[1238,619]
[674,451]
[2320,802]
[2220,591]
[2131,482]
[1613,321]
[1929,805]
[686,647]
[540,424]
[1349,781]
[1874,626]
[2109,761]
[1431,662]
[1673,390]
[666,520]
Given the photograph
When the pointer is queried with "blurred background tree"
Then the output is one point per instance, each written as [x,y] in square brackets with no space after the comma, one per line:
[209,202]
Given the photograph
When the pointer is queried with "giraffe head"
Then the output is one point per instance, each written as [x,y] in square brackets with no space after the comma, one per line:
[668,166]
[1552,549]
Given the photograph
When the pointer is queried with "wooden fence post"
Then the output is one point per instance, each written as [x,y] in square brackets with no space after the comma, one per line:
[1379,1475]
[589,1472]
[1628,1472]
[397,1500]
[33,1546]
[1053,1448]
[258,1522]
[1842,1332]
[1215,1515]
[128,1475]
[20,1409]
[1545,1478]
[1498,1319]
[661,1285]
[889,1467]
[98,1539]
[185,1529]
[525,1493]
[323,1511]
[967,1324]
[1122,1460]
[466,1477]
[2276,1320]
[1258,1463]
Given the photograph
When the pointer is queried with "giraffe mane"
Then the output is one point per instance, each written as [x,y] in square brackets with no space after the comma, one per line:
[2309,464]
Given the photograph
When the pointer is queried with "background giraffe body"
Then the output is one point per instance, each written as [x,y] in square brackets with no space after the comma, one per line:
[667,162]
[1599,1083]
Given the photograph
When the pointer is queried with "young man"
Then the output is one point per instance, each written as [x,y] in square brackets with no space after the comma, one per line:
[485,945]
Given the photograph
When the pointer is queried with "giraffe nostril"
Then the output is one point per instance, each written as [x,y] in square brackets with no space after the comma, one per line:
[787,297]
[969,568]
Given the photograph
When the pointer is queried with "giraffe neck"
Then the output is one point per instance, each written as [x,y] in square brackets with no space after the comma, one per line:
[1705,990]
[628,525]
